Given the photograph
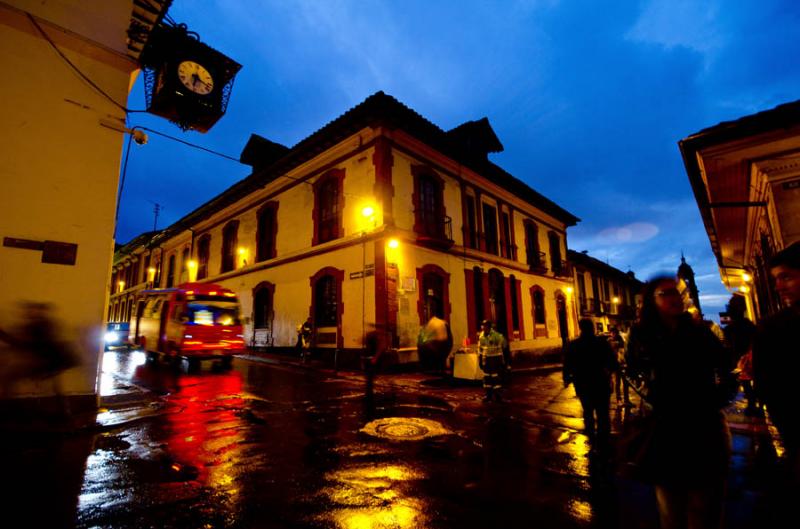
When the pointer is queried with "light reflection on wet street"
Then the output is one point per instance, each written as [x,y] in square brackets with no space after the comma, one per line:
[269,445]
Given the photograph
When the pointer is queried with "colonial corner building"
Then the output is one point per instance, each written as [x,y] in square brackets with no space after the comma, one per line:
[380,217]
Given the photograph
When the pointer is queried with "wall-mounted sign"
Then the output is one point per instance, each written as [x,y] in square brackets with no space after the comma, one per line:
[53,252]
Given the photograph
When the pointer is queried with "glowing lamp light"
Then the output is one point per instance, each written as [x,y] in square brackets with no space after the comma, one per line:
[569,290]
[393,243]
[121,285]
[744,289]
[746,278]
[192,264]
[615,299]
[368,211]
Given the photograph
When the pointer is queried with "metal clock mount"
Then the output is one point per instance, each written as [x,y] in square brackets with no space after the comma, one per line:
[186,81]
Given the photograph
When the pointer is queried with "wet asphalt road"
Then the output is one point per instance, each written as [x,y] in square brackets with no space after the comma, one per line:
[271,445]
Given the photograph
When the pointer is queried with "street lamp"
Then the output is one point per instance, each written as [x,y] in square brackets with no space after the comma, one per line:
[192,266]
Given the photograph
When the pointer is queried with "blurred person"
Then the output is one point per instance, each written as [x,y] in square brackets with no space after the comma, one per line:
[681,362]
[739,335]
[492,345]
[776,357]
[375,344]
[434,344]
[621,387]
[589,362]
[304,333]
[47,354]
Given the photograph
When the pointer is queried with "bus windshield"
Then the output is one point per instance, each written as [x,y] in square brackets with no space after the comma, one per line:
[213,313]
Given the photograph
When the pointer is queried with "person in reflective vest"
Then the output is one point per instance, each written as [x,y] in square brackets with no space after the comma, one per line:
[491,344]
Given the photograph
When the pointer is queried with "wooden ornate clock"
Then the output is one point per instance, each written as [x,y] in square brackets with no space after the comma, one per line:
[186,81]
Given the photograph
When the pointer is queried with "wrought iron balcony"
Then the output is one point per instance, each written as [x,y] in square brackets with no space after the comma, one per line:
[434,231]
[561,269]
[536,262]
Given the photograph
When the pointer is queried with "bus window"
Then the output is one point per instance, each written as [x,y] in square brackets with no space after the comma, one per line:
[213,313]
[179,313]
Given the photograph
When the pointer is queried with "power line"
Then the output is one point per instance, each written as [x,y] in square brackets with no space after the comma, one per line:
[76,69]
[173,138]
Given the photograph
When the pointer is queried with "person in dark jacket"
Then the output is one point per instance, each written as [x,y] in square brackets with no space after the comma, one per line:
[589,362]
[776,357]
[681,363]
[739,334]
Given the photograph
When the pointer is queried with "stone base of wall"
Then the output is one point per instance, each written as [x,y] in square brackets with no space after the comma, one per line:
[27,409]
[407,359]
[537,357]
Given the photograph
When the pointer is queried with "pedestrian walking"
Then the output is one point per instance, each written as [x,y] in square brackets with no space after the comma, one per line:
[621,386]
[304,333]
[374,347]
[589,362]
[491,344]
[776,359]
[739,335]
[681,361]
[434,344]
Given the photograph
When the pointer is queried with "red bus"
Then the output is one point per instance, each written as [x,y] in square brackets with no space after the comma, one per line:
[193,320]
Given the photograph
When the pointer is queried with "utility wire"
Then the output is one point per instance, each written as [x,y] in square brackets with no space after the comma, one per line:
[76,69]
[122,183]
[127,110]
[187,143]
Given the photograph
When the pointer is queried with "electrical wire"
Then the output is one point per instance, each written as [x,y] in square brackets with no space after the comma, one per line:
[173,138]
[76,69]
[122,183]
[83,76]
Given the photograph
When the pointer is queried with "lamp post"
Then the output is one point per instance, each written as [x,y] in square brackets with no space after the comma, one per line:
[368,214]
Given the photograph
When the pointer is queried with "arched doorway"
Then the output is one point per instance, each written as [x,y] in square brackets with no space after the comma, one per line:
[497,300]
[434,299]
[433,296]
[263,314]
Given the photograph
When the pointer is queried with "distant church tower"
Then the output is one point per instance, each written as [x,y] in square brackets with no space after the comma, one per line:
[686,273]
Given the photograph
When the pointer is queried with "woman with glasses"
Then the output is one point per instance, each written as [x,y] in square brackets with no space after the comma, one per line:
[680,363]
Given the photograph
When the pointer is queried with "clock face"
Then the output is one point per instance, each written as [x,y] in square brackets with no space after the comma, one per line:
[195,77]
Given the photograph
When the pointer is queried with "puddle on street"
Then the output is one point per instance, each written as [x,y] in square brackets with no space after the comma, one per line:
[374,497]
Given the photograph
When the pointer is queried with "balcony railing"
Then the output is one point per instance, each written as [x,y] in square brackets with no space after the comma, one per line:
[536,262]
[434,230]
[561,269]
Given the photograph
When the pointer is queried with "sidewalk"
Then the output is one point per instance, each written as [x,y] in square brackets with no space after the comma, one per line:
[526,364]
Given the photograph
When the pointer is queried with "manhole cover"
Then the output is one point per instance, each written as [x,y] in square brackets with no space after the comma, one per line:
[404,428]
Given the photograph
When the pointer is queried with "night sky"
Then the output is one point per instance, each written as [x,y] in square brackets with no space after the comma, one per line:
[589,99]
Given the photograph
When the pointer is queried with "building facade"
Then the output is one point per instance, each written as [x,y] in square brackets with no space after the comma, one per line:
[745,175]
[382,218]
[606,295]
[61,150]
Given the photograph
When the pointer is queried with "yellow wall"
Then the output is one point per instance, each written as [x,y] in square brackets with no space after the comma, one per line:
[58,176]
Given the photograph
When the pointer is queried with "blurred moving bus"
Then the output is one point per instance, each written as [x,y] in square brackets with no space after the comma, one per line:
[193,320]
